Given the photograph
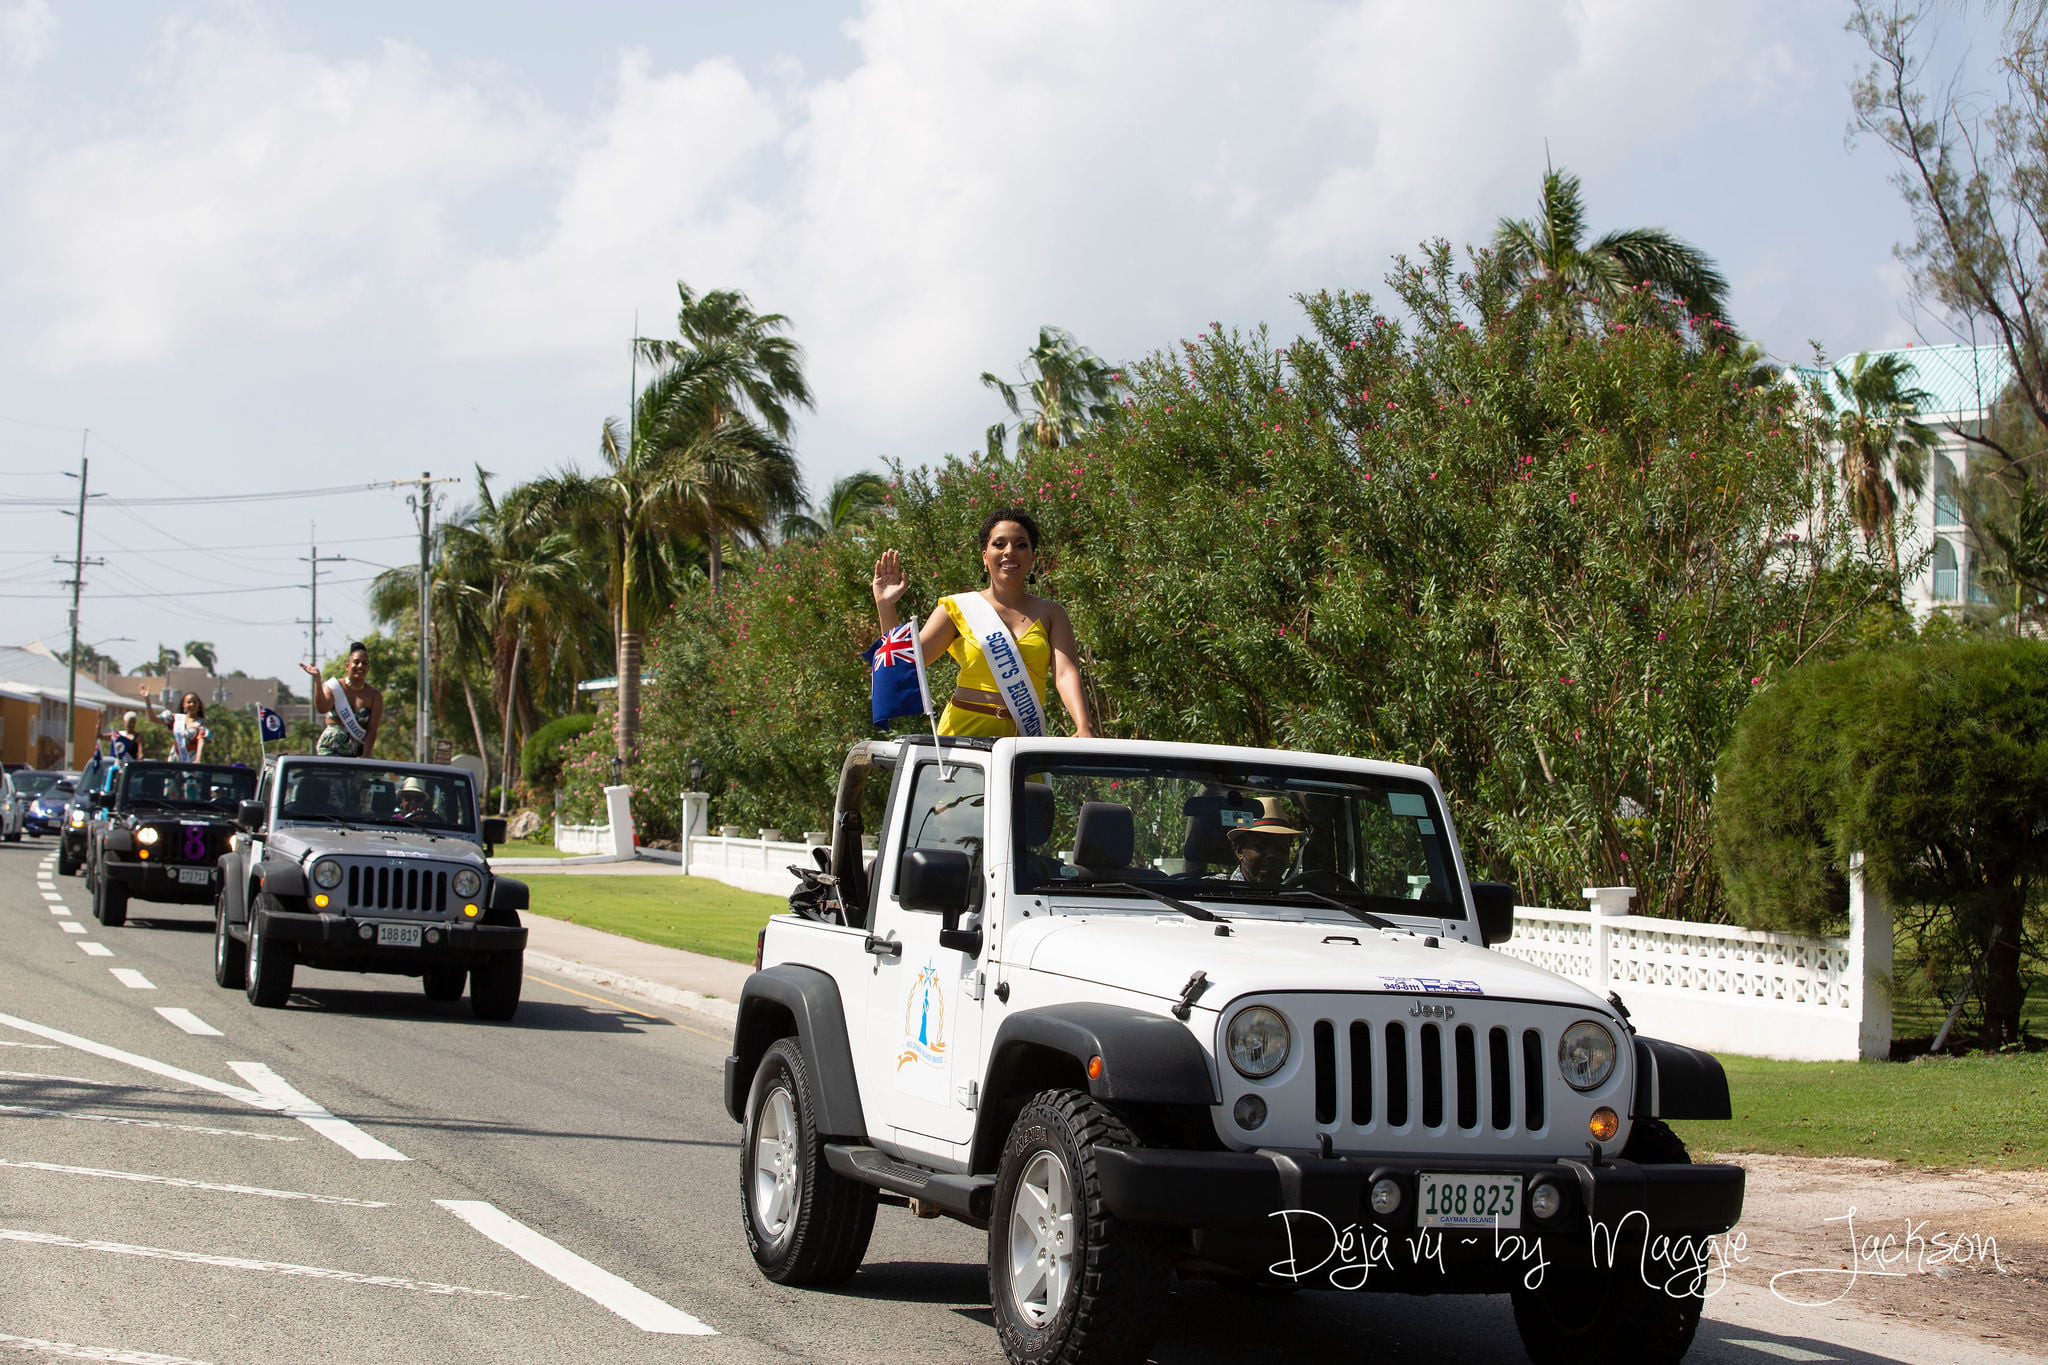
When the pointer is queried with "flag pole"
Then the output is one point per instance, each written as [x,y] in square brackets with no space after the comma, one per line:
[924,694]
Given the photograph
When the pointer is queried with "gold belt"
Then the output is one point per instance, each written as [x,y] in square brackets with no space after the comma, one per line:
[981,703]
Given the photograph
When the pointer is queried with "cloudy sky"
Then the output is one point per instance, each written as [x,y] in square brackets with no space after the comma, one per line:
[263,247]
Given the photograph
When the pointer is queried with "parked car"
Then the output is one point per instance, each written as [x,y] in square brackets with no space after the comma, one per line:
[1141,1010]
[10,808]
[160,833]
[88,793]
[44,812]
[358,865]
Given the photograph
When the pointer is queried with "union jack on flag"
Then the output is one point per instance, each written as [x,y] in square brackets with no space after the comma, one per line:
[898,675]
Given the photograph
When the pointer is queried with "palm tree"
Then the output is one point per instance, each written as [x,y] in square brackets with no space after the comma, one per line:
[201,652]
[1883,442]
[762,385]
[855,500]
[692,467]
[1069,387]
[167,659]
[1550,250]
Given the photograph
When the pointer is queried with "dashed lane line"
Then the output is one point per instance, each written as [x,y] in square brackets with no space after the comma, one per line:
[53,895]
[51,1239]
[132,979]
[594,1282]
[60,909]
[31,1111]
[41,1047]
[188,1021]
[272,1091]
[290,1102]
[68,1350]
[93,949]
[72,926]
[184,1184]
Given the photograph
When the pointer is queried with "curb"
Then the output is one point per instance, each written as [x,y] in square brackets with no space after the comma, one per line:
[725,1011]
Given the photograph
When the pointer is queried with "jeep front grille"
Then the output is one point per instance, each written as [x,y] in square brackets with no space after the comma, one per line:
[1480,1090]
[378,885]
[1455,1075]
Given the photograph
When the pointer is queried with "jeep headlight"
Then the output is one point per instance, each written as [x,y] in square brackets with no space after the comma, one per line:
[146,835]
[467,883]
[326,874]
[1586,1055]
[77,817]
[1257,1041]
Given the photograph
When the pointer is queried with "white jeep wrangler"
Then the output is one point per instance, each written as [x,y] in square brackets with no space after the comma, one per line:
[1059,1004]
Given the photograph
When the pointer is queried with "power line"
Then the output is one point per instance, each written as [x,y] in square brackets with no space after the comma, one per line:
[280,495]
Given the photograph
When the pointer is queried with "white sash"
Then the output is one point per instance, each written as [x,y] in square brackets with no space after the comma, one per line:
[343,712]
[1005,663]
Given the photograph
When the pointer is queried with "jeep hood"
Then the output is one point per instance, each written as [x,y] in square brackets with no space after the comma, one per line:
[379,843]
[1155,956]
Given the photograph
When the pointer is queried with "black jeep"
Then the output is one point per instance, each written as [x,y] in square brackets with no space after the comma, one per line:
[158,832]
[359,865]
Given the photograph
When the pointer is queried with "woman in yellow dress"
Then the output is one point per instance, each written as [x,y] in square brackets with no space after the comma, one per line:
[963,626]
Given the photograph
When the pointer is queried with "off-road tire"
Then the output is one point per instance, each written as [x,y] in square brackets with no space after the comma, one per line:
[825,1237]
[271,964]
[443,983]
[1121,1278]
[494,986]
[66,866]
[1613,1315]
[110,902]
[230,954]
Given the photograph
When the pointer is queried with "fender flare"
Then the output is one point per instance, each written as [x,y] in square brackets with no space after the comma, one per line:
[508,894]
[276,877]
[1678,1082]
[233,905]
[792,999]
[1147,1058]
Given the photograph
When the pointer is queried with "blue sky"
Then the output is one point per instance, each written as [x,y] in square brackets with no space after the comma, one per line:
[259,246]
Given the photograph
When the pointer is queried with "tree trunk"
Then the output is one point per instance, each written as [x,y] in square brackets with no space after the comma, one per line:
[511,688]
[629,694]
[715,554]
[483,752]
[2003,991]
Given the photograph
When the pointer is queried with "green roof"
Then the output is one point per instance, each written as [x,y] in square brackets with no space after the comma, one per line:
[1964,380]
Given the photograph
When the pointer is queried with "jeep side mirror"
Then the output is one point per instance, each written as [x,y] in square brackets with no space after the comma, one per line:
[940,879]
[494,830]
[249,816]
[1495,902]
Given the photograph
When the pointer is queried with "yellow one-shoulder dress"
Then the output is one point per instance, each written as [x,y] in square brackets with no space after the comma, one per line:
[976,707]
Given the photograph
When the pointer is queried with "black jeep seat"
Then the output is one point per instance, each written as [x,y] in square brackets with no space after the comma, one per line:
[1103,838]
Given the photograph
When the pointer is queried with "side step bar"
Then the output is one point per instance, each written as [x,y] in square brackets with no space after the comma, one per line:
[963,1196]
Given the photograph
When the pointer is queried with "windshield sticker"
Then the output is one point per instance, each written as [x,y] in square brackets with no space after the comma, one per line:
[1425,827]
[1406,803]
[1430,984]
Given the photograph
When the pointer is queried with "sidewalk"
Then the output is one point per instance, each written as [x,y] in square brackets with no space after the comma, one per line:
[578,867]
[668,976]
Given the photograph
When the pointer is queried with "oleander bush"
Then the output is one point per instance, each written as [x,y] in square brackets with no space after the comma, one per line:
[1550,560]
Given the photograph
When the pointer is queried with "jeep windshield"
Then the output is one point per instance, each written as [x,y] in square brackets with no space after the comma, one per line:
[350,794]
[186,787]
[1267,841]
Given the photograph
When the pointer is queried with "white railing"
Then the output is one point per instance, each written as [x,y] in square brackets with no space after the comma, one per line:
[614,841]
[1726,989]
[749,864]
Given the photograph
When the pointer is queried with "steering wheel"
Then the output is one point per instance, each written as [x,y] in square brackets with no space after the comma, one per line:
[1321,879]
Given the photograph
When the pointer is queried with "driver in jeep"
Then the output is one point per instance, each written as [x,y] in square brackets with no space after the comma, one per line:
[1265,847]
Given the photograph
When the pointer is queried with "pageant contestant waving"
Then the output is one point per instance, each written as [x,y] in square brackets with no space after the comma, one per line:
[354,708]
[1008,641]
[187,726]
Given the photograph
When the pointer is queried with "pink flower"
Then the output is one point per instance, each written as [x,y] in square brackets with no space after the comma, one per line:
[1575,499]
[1754,681]
[1660,634]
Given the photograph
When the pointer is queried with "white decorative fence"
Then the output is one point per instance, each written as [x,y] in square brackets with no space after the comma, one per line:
[1722,988]
[613,842]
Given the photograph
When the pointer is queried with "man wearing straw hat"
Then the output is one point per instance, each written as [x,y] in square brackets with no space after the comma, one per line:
[1265,847]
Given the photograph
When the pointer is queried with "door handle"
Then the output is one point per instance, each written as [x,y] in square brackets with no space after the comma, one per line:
[884,947]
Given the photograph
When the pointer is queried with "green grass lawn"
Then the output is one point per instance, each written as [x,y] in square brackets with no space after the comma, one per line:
[1969,1111]
[529,848]
[693,913]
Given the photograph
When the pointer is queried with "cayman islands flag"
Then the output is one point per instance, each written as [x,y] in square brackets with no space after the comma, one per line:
[269,724]
[896,666]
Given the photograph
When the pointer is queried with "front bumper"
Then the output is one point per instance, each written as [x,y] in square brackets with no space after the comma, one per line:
[336,941]
[42,824]
[154,881]
[1254,1211]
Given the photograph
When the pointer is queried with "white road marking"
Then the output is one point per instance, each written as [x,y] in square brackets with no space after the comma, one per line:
[87,1080]
[72,1351]
[295,1105]
[44,1047]
[60,909]
[33,1112]
[132,979]
[1780,1350]
[184,1184]
[71,926]
[97,949]
[595,1283]
[53,896]
[188,1021]
[140,1063]
[52,1239]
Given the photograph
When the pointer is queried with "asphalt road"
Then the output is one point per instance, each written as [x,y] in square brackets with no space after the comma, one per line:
[356,1177]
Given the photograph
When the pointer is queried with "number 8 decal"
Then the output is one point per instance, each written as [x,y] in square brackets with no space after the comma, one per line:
[195,843]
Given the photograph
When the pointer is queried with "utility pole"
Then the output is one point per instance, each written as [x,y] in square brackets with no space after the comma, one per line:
[78,563]
[315,559]
[422,503]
